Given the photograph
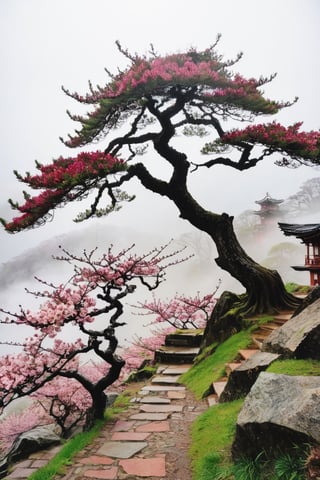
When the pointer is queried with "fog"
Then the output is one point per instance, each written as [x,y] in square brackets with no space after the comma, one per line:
[46,44]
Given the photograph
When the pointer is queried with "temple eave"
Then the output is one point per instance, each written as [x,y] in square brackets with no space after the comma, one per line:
[308,268]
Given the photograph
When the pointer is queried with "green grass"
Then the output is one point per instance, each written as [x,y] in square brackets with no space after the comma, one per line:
[67,452]
[212,436]
[295,367]
[200,377]
[295,288]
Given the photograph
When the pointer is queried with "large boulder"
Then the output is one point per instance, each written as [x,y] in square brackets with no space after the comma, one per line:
[243,377]
[32,441]
[29,442]
[279,412]
[299,337]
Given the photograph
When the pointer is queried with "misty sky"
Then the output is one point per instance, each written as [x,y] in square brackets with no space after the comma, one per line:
[49,43]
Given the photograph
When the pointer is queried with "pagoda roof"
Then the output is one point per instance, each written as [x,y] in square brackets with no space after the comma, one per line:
[268,199]
[307,232]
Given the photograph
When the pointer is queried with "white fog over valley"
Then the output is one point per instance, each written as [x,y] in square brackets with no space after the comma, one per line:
[46,44]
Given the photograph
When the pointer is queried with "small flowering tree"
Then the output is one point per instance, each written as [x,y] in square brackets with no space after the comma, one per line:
[157,98]
[142,349]
[91,303]
[181,312]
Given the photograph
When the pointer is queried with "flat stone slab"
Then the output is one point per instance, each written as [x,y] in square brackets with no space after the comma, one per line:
[130,436]
[154,399]
[154,427]
[150,416]
[166,379]
[21,473]
[258,359]
[96,460]
[161,408]
[246,354]
[180,350]
[219,387]
[121,449]
[176,395]
[162,388]
[123,426]
[105,474]
[144,467]
[176,370]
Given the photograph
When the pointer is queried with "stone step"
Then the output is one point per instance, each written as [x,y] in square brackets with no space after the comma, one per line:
[188,338]
[232,366]
[219,387]
[176,355]
[148,408]
[257,341]
[212,400]
[151,399]
[269,326]
[282,317]
[245,354]
[166,379]
[174,369]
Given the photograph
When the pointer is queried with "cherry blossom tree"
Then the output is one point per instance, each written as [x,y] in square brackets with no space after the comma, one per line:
[16,423]
[91,303]
[156,98]
[181,312]
[141,350]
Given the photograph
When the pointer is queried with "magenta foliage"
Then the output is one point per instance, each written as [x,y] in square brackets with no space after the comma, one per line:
[65,180]
[287,140]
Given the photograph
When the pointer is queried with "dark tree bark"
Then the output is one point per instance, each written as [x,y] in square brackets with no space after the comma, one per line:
[265,291]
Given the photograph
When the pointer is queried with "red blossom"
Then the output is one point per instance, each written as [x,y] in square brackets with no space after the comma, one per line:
[62,180]
[287,140]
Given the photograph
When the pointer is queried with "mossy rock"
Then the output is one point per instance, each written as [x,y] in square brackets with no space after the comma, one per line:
[142,374]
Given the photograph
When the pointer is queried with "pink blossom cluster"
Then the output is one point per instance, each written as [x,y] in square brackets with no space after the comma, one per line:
[278,138]
[65,399]
[203,70]
[65,305]
[16,423]
[119,270]
[181,311]
[44,354]
[141,349]
[35,363]
[180,68]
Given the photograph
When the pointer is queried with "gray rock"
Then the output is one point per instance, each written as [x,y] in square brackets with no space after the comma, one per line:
[29,442]
[243,377]
[299,336]
[32,441]
[279,412]
[111,398]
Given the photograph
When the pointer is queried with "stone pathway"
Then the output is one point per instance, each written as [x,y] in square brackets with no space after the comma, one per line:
[150,439]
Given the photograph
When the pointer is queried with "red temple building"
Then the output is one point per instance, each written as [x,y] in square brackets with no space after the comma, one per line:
[269,210]
[310,236]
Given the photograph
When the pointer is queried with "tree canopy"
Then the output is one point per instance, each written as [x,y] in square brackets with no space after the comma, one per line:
[66,327]
[192,93]
[152,100]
